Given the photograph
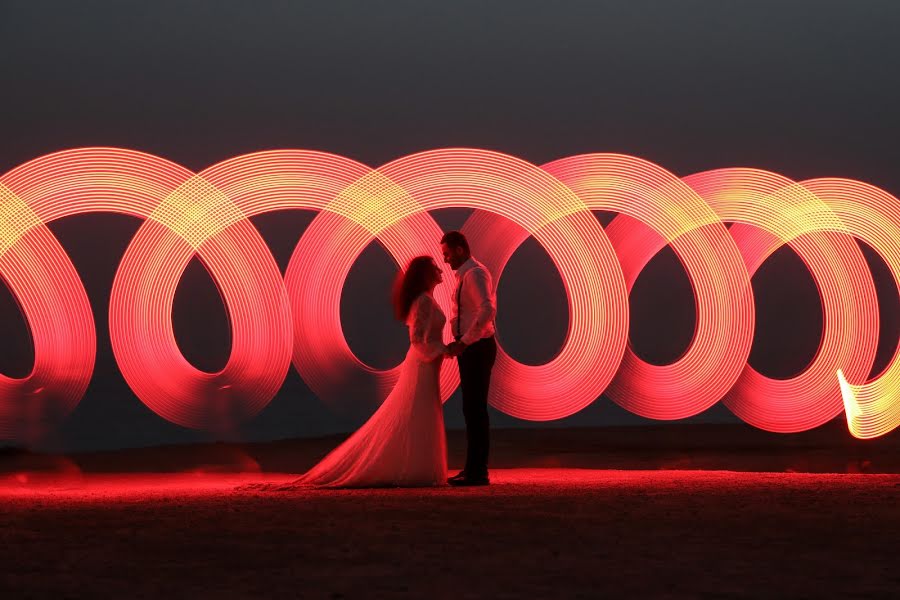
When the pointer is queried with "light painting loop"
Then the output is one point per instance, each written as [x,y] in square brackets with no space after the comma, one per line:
[273,320]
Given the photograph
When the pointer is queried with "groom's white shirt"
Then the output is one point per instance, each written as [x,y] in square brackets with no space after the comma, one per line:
[477,303]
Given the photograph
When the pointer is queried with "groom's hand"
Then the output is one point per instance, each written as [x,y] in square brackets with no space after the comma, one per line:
[455,348]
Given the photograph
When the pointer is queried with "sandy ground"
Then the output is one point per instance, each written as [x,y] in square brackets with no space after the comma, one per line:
[536,532]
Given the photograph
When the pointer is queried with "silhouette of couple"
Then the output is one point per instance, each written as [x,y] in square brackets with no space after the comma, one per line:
[403,443]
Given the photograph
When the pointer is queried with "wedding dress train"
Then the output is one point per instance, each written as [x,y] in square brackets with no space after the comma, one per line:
[403,443]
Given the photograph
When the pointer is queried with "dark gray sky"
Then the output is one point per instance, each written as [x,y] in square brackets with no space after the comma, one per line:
[803,88]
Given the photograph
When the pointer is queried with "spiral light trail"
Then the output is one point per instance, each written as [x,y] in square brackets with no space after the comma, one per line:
[722,225]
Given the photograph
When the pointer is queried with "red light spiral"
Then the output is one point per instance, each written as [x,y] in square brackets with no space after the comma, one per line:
[277,321]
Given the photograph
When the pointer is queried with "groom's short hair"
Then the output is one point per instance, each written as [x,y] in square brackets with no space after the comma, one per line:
[456,239]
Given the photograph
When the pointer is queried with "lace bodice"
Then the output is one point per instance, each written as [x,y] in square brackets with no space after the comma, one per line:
[426,325]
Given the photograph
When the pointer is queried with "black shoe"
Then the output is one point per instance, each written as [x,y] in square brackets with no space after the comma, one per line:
[462,480]
[456,479]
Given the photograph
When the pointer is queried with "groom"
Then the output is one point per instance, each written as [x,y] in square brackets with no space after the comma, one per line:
[474,308]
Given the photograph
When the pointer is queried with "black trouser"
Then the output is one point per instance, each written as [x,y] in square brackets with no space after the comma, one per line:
[475,364]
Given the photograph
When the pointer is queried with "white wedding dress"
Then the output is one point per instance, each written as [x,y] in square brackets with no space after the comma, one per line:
[403,443]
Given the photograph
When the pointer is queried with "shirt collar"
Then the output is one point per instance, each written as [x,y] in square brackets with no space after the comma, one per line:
[470,262]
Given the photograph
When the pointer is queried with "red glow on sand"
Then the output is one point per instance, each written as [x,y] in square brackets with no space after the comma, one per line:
[276,322]
[129,487]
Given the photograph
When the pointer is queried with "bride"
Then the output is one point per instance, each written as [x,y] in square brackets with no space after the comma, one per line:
[403,443]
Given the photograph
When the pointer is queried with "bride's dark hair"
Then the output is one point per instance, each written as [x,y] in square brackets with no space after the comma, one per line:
[410,283]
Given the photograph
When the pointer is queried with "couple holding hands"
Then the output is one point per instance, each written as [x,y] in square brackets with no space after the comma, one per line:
[404,444]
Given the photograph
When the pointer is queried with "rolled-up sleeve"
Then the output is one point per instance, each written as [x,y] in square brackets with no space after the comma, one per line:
[478,283]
